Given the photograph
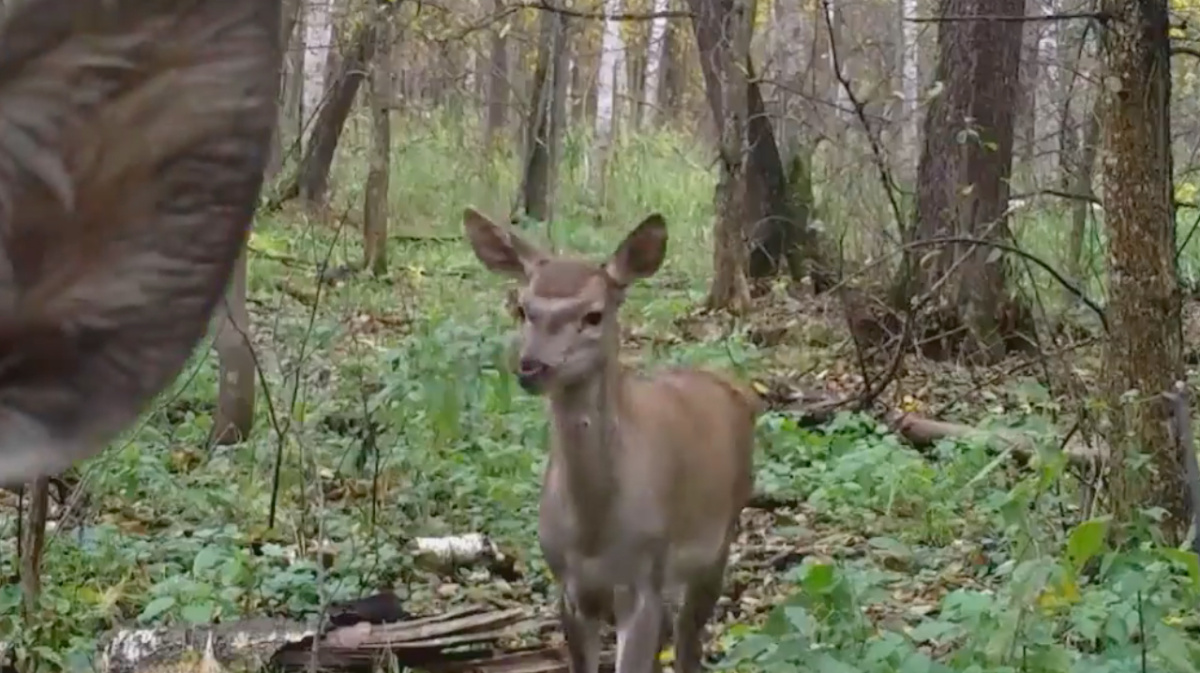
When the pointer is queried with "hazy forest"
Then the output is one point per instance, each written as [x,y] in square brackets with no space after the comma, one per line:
[952,244]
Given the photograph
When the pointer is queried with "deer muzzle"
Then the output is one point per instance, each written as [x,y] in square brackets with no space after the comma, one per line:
[532,374]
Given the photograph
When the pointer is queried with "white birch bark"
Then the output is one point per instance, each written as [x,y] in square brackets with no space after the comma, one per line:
[840,97]
[910,87]
[318,38]
[609,93]
[654,60]
[1046,118]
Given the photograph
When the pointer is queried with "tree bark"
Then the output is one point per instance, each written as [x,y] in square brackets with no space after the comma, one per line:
[33,545]
[1082,185]
[497,83]
[963,181]
[233,419]
[729,290]
[1145,350]
[375,198]
[767,221]
[544,131]
[910,87]
[656,49]
[609,95]
[318,43]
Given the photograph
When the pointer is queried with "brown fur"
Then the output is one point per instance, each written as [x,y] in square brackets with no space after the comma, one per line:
[647,473]
[135,135]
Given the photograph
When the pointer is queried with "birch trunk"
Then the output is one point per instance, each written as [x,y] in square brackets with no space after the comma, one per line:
[609,93]
[910,85]
[837,65]
[654,62]
[1046,117]
[318,38]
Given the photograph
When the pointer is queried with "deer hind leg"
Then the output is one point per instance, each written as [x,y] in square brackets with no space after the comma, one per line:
[699,599]
[581,619]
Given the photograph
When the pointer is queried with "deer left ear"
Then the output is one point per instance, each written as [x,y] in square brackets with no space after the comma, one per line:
[641,254]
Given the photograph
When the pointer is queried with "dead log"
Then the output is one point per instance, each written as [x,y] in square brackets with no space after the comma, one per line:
[468,634]
[242,646]
[922,433]
[445,555]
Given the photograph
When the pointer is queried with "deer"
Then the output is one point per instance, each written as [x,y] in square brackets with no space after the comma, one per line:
[647,473]
[134,135]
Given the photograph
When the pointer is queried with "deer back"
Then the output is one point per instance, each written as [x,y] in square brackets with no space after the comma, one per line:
[133,139]
[687,436]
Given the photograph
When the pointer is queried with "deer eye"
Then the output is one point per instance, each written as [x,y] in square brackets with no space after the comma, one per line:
[593,318]
[519,313]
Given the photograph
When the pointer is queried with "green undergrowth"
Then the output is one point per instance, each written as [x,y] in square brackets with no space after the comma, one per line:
[395,416]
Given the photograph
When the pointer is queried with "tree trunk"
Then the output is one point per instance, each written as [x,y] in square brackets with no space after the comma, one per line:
[609,95]
[313,179]
[280,140]
[910,88]
[766,220]
[787,34]
[544,129]
[291,115]
[656,48]
[234,416]
[1084,169]
[375,199]
[497,83]
[839,95]
[729,290]
[963,180]
[1145,349]
[33,545]
[1046,117]
[318,42]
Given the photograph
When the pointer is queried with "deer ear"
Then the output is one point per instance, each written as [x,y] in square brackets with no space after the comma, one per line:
[500,249]
[641,253]
[133,139]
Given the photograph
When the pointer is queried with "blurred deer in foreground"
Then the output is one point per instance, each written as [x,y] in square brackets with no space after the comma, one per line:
[647,475]
[133,139]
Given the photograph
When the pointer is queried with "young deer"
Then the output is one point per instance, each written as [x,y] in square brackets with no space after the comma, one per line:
[647,475]
[133,139]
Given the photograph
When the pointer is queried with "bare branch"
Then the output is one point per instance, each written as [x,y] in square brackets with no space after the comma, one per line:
[1069,16]
[1045,266]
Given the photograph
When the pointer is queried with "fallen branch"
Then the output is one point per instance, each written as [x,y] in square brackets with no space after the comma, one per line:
[922,432]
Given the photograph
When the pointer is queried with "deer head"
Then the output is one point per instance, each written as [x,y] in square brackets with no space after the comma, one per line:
[133,139]
[567,308]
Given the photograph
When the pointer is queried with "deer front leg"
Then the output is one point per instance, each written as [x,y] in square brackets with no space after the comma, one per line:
[640,613]
[581,627]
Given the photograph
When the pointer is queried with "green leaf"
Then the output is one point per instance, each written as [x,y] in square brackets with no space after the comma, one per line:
[931,631]
[1173,648]
[156,607]
[206,559]
[1188,560]
[798,618]
[826,663]
[819,579]
[198,613]
[1087,540]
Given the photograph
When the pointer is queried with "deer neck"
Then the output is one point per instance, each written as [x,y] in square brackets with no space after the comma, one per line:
[584,427]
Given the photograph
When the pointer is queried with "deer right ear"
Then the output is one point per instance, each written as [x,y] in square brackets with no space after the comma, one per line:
[500,249]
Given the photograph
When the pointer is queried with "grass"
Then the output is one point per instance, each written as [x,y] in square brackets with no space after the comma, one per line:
[954,561]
